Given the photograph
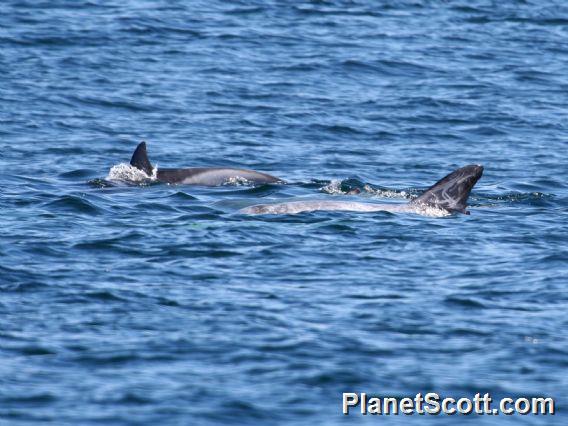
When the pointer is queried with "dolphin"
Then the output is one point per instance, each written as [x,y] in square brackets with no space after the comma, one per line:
[206,176]
[447,196]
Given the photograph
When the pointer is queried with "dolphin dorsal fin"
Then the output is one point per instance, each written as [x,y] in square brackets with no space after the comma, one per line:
[451,192]
[140,159]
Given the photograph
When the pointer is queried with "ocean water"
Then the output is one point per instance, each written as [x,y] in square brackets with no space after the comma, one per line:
[128,302]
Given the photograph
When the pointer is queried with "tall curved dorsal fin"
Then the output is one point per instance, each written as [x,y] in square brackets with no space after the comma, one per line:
[451,192]
[140,159]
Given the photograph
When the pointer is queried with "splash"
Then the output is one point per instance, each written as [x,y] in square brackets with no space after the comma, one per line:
[386,193]
[333,188]
[354,187]
[429,211]
[126,173]
[237,181]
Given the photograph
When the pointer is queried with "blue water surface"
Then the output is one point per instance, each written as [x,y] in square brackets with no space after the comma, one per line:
[125,303]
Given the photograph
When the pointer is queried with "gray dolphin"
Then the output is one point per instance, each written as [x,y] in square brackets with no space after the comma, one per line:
[207,176]
[448,195]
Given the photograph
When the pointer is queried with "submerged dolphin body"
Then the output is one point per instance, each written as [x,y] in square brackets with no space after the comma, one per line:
[206,176]
[448,195]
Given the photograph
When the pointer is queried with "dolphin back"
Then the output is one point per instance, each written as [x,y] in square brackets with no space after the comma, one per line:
[451,192]
[140,159]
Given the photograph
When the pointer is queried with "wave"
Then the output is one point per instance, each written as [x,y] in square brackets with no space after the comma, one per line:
[74,204]
[527,198]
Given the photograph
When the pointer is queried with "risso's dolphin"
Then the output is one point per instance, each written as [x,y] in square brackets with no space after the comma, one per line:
[206,176]
[448,195]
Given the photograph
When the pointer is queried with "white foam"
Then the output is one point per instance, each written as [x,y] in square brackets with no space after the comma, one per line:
[126,173]
[429,211]
[385,193]
[237,181]
[333,187]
